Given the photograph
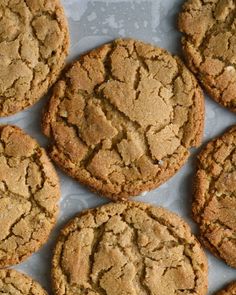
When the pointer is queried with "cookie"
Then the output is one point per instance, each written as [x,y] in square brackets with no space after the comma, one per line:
[214,207]
[128,248]
[15,283]
[34,42]
[123,118]
[229,290]
[209,45]
[29,190]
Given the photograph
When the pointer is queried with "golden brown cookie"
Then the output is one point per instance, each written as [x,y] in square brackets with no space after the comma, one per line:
[34,42]
[29,191]
[214,207]
[128,248]
[15,283]
[124,117]
[229,290]
[209,45]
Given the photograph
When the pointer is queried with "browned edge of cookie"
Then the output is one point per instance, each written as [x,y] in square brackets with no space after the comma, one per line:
[230,289]
[123,196]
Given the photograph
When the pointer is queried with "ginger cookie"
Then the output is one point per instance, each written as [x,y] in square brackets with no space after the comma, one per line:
[34,42]
[209,45]
[214,207]
[29,190]
[123,118]
[15,283]
[229,290]
[128,248]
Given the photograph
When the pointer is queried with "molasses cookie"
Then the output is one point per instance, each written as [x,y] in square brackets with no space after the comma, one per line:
[128,248]
[34,41]
[29,191]
[15,283]
[209,45]
[123,118]
[214,207]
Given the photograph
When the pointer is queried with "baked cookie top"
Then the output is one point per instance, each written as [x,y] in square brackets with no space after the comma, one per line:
[123,118]
[214,207]
[128,248]
[209,44]
[15,283]
[34,41]
[229,290]
[29,191]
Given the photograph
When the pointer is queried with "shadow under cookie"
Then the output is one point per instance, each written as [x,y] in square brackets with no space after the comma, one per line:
[229,290]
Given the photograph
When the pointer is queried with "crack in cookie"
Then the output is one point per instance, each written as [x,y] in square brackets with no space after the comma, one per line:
[34,41]
[128,248]
[29,191]
[124,117]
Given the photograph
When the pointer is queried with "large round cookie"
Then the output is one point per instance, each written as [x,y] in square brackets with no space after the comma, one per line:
[128,248]
[209,44]
[229,290]
[123,118]
[29,191]
[15,283]
[34,41]
[214,207]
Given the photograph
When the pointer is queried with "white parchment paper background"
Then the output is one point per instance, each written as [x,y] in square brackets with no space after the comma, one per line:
[91,24]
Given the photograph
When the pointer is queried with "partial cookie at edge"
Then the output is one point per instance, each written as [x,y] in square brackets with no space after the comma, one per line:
[128,246]
[214,205]
[13,282]
[34,42]
[29,189]
[123,118]
[209,46]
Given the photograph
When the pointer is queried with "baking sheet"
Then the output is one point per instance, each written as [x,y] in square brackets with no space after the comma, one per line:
[91,24]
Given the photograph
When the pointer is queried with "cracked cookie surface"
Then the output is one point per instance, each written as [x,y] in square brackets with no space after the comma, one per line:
[128,248]
[229,290]
[29,191]
[15,283]
[209,44]
[34,41]
[214,207]
[123,118]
